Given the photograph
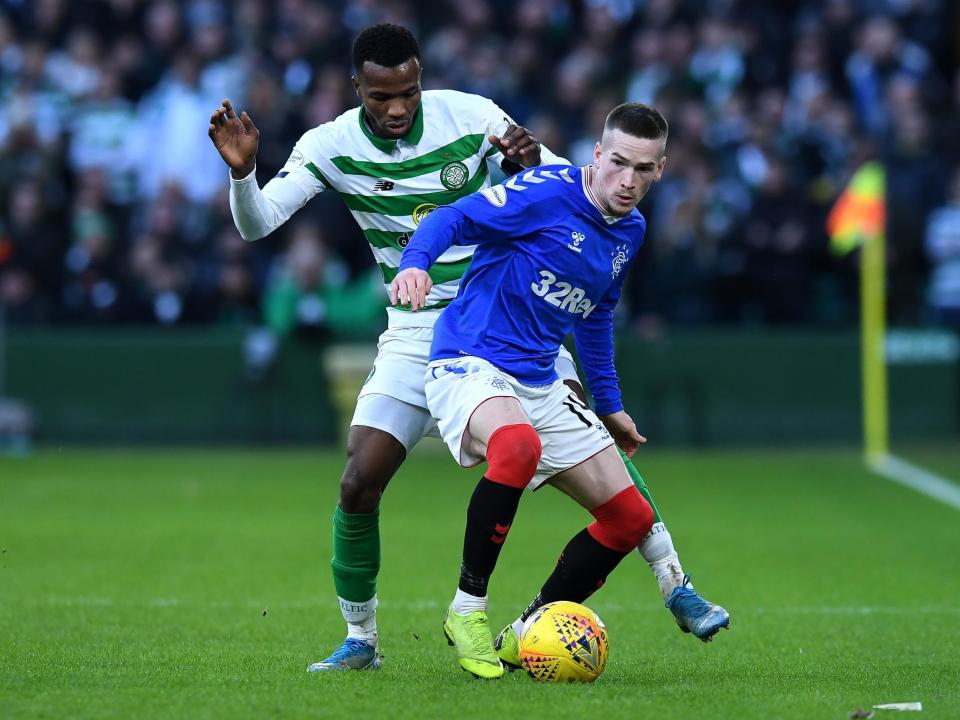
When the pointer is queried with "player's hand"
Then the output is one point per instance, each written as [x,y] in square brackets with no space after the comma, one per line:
[519,145]
[236,139]
[624,432]
[410,287]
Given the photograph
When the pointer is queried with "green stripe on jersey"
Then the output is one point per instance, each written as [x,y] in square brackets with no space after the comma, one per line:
[461,149]
[439,272]
[318,175]
[406,204]
[436,306]
[386,238]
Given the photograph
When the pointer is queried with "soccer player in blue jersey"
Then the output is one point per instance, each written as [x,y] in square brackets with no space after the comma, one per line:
[553,247]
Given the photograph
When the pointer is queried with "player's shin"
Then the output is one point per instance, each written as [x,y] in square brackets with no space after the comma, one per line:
[356,563]
[657,545]
[595,551]
[513,452]
[489,517]
[657,549]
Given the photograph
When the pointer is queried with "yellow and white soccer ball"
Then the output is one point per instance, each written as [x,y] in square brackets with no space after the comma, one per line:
[564,642]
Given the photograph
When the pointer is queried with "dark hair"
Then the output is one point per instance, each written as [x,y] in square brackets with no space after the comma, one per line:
[638,120]
[384,44]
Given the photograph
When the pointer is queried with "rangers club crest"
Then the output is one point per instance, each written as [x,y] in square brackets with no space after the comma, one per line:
[619,260]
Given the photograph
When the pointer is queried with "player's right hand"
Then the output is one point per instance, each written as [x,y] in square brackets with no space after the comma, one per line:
[410,287]
[624,432]
[236,139]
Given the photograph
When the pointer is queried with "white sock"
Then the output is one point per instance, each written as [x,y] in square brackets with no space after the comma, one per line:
[464,603]
[518,626]
[657,549]
[361,619]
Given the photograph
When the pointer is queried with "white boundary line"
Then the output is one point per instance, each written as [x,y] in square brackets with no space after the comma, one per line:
[916,478]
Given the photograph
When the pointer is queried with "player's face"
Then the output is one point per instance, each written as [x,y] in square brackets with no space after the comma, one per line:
[626,168]
[390,96]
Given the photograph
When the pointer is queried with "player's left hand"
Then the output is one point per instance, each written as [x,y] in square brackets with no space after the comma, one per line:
[624,432]
[411,287]
[519,145]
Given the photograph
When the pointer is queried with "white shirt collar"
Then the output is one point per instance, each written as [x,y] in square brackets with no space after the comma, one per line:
[588,193]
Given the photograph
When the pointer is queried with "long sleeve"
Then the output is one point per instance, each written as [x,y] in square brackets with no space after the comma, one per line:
[257,212]
[594,340]
[494,214]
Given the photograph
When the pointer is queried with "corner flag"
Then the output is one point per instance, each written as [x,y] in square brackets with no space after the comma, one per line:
[860,213]
[858,219]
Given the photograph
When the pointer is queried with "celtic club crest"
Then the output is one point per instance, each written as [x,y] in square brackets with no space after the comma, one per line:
[454,175]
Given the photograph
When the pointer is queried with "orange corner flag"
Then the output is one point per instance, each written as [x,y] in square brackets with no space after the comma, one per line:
[860,212]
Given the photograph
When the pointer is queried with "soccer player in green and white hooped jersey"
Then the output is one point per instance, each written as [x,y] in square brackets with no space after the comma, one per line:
[393,159]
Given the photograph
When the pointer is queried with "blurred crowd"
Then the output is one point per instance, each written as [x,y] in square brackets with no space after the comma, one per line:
[114,202]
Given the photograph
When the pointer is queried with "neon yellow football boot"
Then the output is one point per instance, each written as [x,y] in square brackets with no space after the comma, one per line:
[507,646]
[470,634]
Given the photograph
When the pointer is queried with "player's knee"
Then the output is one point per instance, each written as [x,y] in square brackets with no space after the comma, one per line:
[359,491]
[623,521]
[513,453]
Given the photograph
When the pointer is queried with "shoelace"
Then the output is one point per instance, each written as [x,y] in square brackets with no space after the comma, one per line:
[477,630]
[694,606]
[349,647]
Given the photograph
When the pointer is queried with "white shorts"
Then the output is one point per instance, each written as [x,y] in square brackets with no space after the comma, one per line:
[392,398]
[569,431]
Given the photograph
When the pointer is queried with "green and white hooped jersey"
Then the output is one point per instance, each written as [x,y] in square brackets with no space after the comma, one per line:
[391,185]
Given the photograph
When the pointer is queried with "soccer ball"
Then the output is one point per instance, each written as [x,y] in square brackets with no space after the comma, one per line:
[564,642]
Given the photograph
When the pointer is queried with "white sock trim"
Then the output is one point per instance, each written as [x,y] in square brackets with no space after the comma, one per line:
[464,603]
[656,544]
[358,613]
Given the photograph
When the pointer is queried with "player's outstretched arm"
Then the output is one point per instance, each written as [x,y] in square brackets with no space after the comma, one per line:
[411,287]
[624,431]
[236,139]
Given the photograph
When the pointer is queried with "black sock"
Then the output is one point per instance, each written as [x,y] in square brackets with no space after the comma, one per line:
[581,570]
[532,608]
[489,517]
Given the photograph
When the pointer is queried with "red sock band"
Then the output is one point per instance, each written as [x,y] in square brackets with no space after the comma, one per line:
[513,452]
[622,521]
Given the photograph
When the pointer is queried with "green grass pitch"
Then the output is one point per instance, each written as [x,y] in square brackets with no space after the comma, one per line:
[197,585]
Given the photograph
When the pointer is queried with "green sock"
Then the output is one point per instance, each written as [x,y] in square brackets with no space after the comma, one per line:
[356,554]
[641,486]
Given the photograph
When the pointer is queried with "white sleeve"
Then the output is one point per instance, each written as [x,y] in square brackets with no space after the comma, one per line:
[257,212]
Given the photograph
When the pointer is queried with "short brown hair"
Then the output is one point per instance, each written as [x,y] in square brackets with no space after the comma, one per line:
[638,120]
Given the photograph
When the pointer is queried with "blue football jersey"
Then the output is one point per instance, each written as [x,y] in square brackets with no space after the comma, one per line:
[547,263]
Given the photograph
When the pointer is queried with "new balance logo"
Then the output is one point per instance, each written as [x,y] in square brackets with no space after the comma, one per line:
[383,185]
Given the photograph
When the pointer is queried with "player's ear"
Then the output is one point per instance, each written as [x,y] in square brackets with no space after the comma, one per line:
[356,84]
[596,155]
[660,166]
